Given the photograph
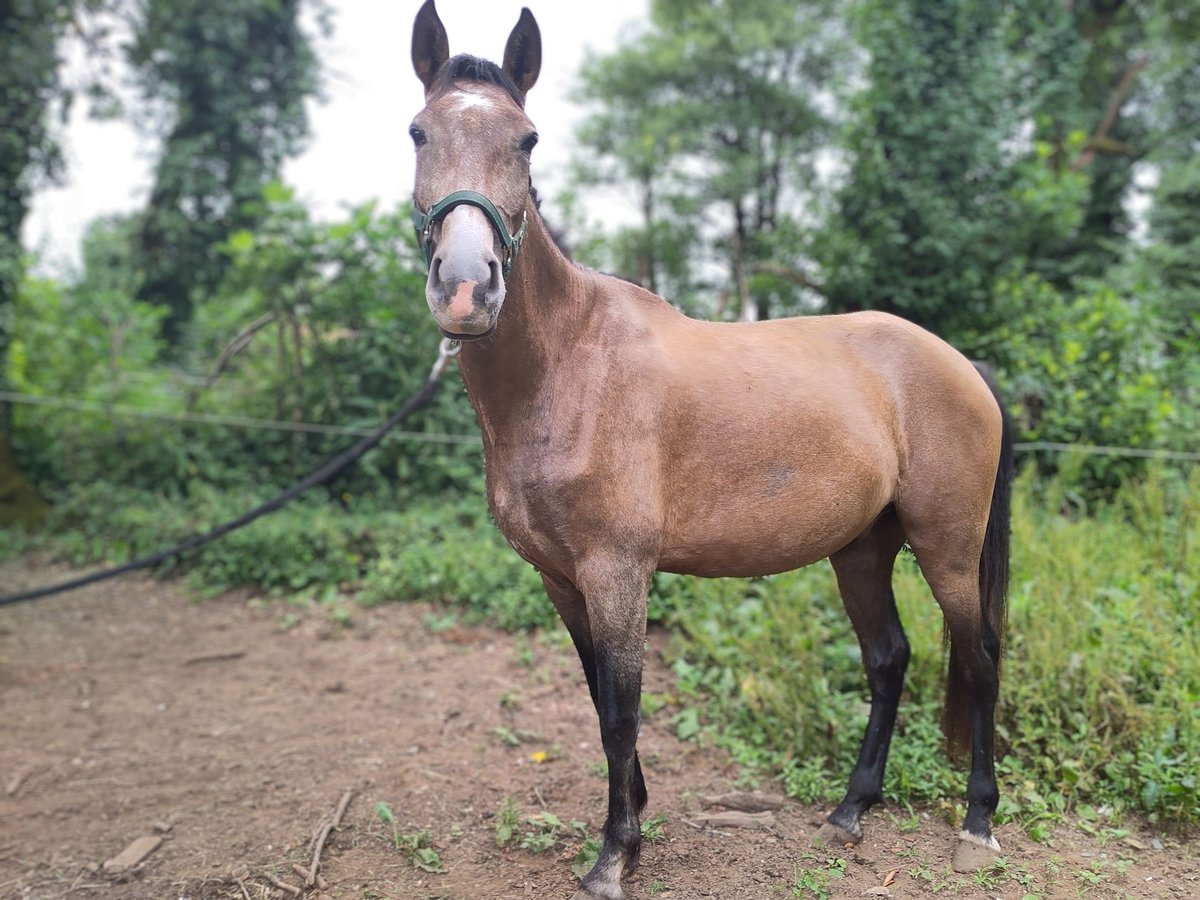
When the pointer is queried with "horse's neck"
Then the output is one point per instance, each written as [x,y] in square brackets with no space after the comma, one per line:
[544,315]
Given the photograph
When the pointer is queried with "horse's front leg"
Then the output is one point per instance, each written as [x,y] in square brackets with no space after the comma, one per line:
[615,598]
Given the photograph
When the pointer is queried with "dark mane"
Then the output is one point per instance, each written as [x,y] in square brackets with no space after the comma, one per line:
[473,68]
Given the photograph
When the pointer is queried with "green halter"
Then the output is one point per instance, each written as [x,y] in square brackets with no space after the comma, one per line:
[424,223]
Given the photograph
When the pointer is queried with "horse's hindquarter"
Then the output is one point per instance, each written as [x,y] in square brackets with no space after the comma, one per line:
[781,445]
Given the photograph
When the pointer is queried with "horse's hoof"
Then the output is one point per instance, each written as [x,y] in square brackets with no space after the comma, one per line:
[830,835]
[602,883]
[974,853]
[604,893]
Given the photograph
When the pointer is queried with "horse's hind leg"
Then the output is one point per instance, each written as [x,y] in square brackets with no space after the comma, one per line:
[610,646]
[950,563]
[864,574]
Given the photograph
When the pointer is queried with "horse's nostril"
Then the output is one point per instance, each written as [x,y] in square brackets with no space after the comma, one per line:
[494,281]
[434,269]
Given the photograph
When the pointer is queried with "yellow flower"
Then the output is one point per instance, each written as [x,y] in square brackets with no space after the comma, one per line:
[538,756]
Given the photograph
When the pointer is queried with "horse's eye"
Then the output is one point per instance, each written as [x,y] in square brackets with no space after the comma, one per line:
[417,135]
[529,143]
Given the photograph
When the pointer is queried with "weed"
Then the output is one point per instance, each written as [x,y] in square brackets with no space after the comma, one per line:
[523,654]
[994,875]
[417,847]
[437,623]
[652,703]
[1093,875]
[588,853]
[815,881]
[506,822]
[652,827]
[536,833]
[545,830]
[513,737]
[908,825]
[418,850]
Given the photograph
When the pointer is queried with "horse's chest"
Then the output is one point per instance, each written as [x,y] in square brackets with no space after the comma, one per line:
[527,513]
[552,510]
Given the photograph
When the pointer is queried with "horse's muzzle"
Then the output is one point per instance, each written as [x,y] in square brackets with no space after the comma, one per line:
[465,287]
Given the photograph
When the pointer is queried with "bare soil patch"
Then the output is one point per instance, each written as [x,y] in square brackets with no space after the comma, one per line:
[226,732]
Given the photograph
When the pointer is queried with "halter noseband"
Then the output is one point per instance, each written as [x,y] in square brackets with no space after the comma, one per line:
[424,223]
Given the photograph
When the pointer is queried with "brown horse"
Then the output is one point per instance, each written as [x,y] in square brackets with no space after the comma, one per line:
[622,437]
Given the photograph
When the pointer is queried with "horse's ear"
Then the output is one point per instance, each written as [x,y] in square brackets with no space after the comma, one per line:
[523,52]
[430,46]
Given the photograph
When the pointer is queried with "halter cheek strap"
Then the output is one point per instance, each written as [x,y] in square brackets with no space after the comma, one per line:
[424,223]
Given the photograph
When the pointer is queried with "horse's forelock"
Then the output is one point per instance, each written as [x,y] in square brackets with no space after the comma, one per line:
[473,68]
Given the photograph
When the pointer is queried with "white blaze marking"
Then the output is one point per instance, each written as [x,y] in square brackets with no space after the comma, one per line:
[467,100]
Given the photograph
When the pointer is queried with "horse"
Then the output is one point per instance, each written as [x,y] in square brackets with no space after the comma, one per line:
[622,437]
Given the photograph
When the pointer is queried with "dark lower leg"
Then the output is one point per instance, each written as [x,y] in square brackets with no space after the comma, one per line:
[618,707]
[865,788]
[571,609]
[864,571]
[982,793]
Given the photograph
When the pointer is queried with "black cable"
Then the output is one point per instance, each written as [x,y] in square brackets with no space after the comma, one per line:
[326,470]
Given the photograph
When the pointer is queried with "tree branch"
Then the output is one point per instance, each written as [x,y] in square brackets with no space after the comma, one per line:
[239,343]
[1100,142]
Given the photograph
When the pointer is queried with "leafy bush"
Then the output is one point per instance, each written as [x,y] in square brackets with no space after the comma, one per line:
[315,322]
[458,557]
[1080,371]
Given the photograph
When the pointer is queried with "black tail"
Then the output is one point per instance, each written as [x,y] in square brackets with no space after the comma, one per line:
[993,586]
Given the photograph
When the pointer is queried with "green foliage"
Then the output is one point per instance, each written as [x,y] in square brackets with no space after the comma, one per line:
[924,218]
[1083,371]
[324,322]
[95,347]
[316,323]
[445,553]
[29,82]
[537,833]
[458,559]
[816,880]
[416,846]
[1163,277]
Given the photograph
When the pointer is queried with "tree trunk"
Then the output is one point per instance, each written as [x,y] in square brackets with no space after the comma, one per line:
[19,502]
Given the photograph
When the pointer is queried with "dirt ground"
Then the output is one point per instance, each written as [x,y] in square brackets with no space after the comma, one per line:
[227,731]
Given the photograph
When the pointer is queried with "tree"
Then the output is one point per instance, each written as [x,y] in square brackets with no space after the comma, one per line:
[226,81]
[715,115]
[921,222]
[30,31]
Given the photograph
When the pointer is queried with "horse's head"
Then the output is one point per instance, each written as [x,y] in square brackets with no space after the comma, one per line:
[473,142]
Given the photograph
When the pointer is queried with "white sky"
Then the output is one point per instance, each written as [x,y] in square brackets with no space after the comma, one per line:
[359,147]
